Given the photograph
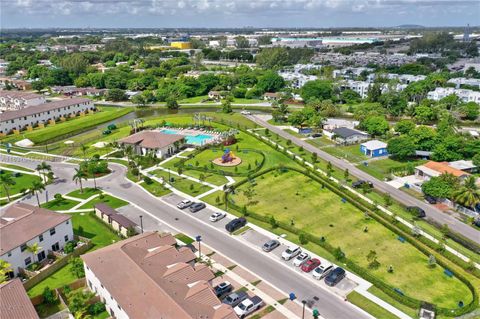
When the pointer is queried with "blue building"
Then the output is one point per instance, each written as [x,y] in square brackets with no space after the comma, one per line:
[374,148]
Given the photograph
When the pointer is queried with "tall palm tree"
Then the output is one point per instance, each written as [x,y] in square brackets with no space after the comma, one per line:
[36,188]
[5,268]
[78,176]
[43,168]
[7,181]
[84,148]
[469,194]
[34,250]
[93,169]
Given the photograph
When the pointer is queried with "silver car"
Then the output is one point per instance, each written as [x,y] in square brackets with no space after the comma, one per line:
[270,245]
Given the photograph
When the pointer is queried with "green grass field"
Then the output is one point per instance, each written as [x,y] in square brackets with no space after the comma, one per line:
[369,306]
[155,188]
[111,201]
[63,204]
[321,142]
[381,168]
[12,166]
[291,195]
[23,182]
[351,152]
[182,184]
[87,193]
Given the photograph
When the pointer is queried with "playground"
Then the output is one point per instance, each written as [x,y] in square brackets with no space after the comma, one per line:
[228,159]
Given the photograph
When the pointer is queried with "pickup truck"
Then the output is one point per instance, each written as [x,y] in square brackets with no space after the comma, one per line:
[248,306]
[235,298]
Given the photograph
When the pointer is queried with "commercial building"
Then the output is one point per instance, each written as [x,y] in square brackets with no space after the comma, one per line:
[182,45]
[14,301]
[464,95]
[23,225]
[17,100]
[161,144]
[374,148]
[146,277]
[297,42]
[27,118]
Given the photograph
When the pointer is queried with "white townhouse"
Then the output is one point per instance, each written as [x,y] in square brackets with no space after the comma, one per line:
[16,100]
[22,225]
[464,95]
[464,81]
[42,114]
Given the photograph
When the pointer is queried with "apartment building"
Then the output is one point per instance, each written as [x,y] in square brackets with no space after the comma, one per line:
[22,225]
[17,100]
[464,95]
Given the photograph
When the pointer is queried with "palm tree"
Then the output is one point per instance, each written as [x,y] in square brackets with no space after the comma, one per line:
[84,148]
[469,194]
[93,169]
[129,153]
[43,168]
[34,250]
[5,268]
[78,176]
[36,188]
[7,181]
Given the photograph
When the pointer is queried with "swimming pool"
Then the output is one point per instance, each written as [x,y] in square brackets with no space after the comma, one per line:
[198,139]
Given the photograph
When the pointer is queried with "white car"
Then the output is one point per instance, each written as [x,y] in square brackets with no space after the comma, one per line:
[291,252]
[246,112]
[322,271]
[215,217]
[184,204]
[303,257]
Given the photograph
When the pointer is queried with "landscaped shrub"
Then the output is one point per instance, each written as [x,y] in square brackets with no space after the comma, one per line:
[69,247]
[147,180]
[96,308]
[49,297]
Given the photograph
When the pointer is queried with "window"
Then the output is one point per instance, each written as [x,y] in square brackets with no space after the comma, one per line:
[23,247]
[68,222]
[41,256]
[55,246]
[9,254]
[28,261]
[52,231]
[66,238]
[40,238]
[119,306]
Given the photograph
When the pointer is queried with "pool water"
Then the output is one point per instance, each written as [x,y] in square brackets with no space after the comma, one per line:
[198,139]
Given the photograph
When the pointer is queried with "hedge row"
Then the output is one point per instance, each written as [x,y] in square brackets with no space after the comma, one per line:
[389,290]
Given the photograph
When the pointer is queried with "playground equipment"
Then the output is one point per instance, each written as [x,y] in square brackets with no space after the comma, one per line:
[228,156]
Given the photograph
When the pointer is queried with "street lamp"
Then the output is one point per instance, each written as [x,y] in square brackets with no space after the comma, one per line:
[198,239]
[303,311]
[141,223]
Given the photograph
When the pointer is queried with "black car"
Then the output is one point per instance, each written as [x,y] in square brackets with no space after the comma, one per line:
[195,207]
[235,224]
[222,288]
[317,135]
[335,276]
[430,199]
[417,211]
[360,183]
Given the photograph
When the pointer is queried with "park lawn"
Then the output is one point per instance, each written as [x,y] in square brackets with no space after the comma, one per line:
[111,201]
[40,135]
[171,163]
[381,169]
[86,225]
[318,211]
[87,193]
[247,101]
[320,142]
[211,178]
[155,188]
[350,152]
[186,153]
[23,182]
[195,99]
[63,204]
[182,184]
[369,306]
[292,132]
[119,161]
[12,166]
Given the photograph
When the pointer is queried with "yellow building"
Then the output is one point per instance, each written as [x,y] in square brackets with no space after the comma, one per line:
[181,45]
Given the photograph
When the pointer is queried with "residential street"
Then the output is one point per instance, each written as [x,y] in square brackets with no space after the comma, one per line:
[397,194]
[286,280]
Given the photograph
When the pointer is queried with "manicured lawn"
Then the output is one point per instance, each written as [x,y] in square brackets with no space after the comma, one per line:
[23,182]
[247,101]
[182,184]
[119,161]
[369,306]
[87,193]
[111,201]
[321,142]
[382,168]
[184,238]
[44,310]
[155,188]
[351,152]
[195,99]
[296,134]
[318,211]
[211,178]
[5,165]
[86,225]
[62,204]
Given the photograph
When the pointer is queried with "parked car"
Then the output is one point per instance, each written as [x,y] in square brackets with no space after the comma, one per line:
[360,183]
[215,217]
[417,211]
[223,288]
[248,306]
[246,112]
[235,224]
[300,259]
[291,252]
[270,245]
[310,265]
[195,207]
[184,204]
[321,271]
[430,199]
[315,135]
[335,276]
[235,298]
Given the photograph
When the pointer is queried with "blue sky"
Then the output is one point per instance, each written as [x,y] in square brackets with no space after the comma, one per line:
[236,13]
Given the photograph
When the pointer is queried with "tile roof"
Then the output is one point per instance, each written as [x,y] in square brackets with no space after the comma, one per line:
[152,139]
[19,95]
[10,115]
[153,279]
[442,168]
[21,222]
[14,301]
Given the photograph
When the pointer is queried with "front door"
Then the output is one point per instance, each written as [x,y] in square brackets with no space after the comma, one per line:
[41,256]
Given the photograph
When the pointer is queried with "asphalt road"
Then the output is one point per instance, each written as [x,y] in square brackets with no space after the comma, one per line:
[431,212]
[329,305]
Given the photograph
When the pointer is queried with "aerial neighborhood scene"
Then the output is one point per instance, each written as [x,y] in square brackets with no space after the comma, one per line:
[211,159]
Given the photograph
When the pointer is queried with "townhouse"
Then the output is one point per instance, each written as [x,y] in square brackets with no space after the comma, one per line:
[17,100]
[463,94]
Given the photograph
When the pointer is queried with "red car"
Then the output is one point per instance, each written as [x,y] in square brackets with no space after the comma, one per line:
[310,265]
